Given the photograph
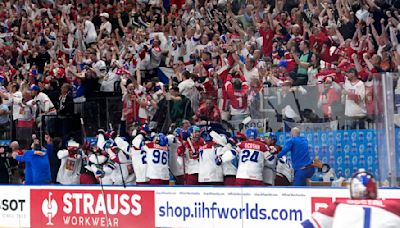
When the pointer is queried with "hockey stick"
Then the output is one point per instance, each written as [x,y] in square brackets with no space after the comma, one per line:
[121,144]
[100,179]
[244,122]
[119,164]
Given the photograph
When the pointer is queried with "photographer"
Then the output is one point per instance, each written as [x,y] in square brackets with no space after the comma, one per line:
[6,165]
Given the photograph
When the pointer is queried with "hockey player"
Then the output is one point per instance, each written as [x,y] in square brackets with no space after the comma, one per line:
[189,150]
[228,158]
[139,156]
[175,161]
[71,162]
[252,155]
[120,154]
[157,156]
[362,210]
[269,171]
[210,169]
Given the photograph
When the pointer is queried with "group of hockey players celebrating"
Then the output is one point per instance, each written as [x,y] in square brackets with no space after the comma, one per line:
[185,156]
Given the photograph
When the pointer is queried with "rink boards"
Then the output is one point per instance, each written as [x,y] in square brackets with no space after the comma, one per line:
[85,206]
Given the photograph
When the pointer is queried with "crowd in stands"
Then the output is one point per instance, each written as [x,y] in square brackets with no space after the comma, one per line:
[220,55]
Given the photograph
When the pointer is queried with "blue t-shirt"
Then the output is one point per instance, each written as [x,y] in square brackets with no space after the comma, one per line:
[39,171]
[298,146]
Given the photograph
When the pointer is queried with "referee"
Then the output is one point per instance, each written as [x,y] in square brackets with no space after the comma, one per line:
[302,163]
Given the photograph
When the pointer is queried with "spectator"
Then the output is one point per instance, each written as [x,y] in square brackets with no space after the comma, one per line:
[302,163]
[303,62]
[14,98]
[208,111]
[65,112]
[328,97]
[237,98]
[4,117]
[44,108]
[174,107]
[354,92]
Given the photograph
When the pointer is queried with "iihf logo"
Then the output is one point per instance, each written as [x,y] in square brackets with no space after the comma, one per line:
[369,136]
[323,137]
[361,135]
[353,136]
[330,136]
[338,137]
[346,148]
[49,209]
[346,136]
[361,148]
[309,137]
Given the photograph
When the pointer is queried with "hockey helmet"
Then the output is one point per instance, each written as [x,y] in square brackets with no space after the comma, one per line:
[363,186]
[252,133]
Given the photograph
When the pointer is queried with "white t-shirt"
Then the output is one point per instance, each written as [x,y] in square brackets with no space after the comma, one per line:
[106,27]
[44,103]
[250,74]
[90,32]
[15,100]
[107,85]
[353,109]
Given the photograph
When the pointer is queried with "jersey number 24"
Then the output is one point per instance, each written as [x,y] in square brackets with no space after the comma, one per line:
[248,155]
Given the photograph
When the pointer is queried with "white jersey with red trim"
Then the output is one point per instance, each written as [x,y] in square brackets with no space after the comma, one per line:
[190,152]
[209,170]
[123,171]
[251,160]
[175,161]
[229,158]
[157,161]
[139,164]
[357,214]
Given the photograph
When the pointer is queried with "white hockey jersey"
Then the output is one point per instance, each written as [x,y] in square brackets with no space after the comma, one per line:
[139,164]
[125,168]
[209,170]
[229,158]
[251,160]
[357,214]
[175,162]
[269,171]
[69,171]
[157,161]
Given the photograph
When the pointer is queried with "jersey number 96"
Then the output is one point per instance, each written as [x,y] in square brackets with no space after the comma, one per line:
[160,157]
